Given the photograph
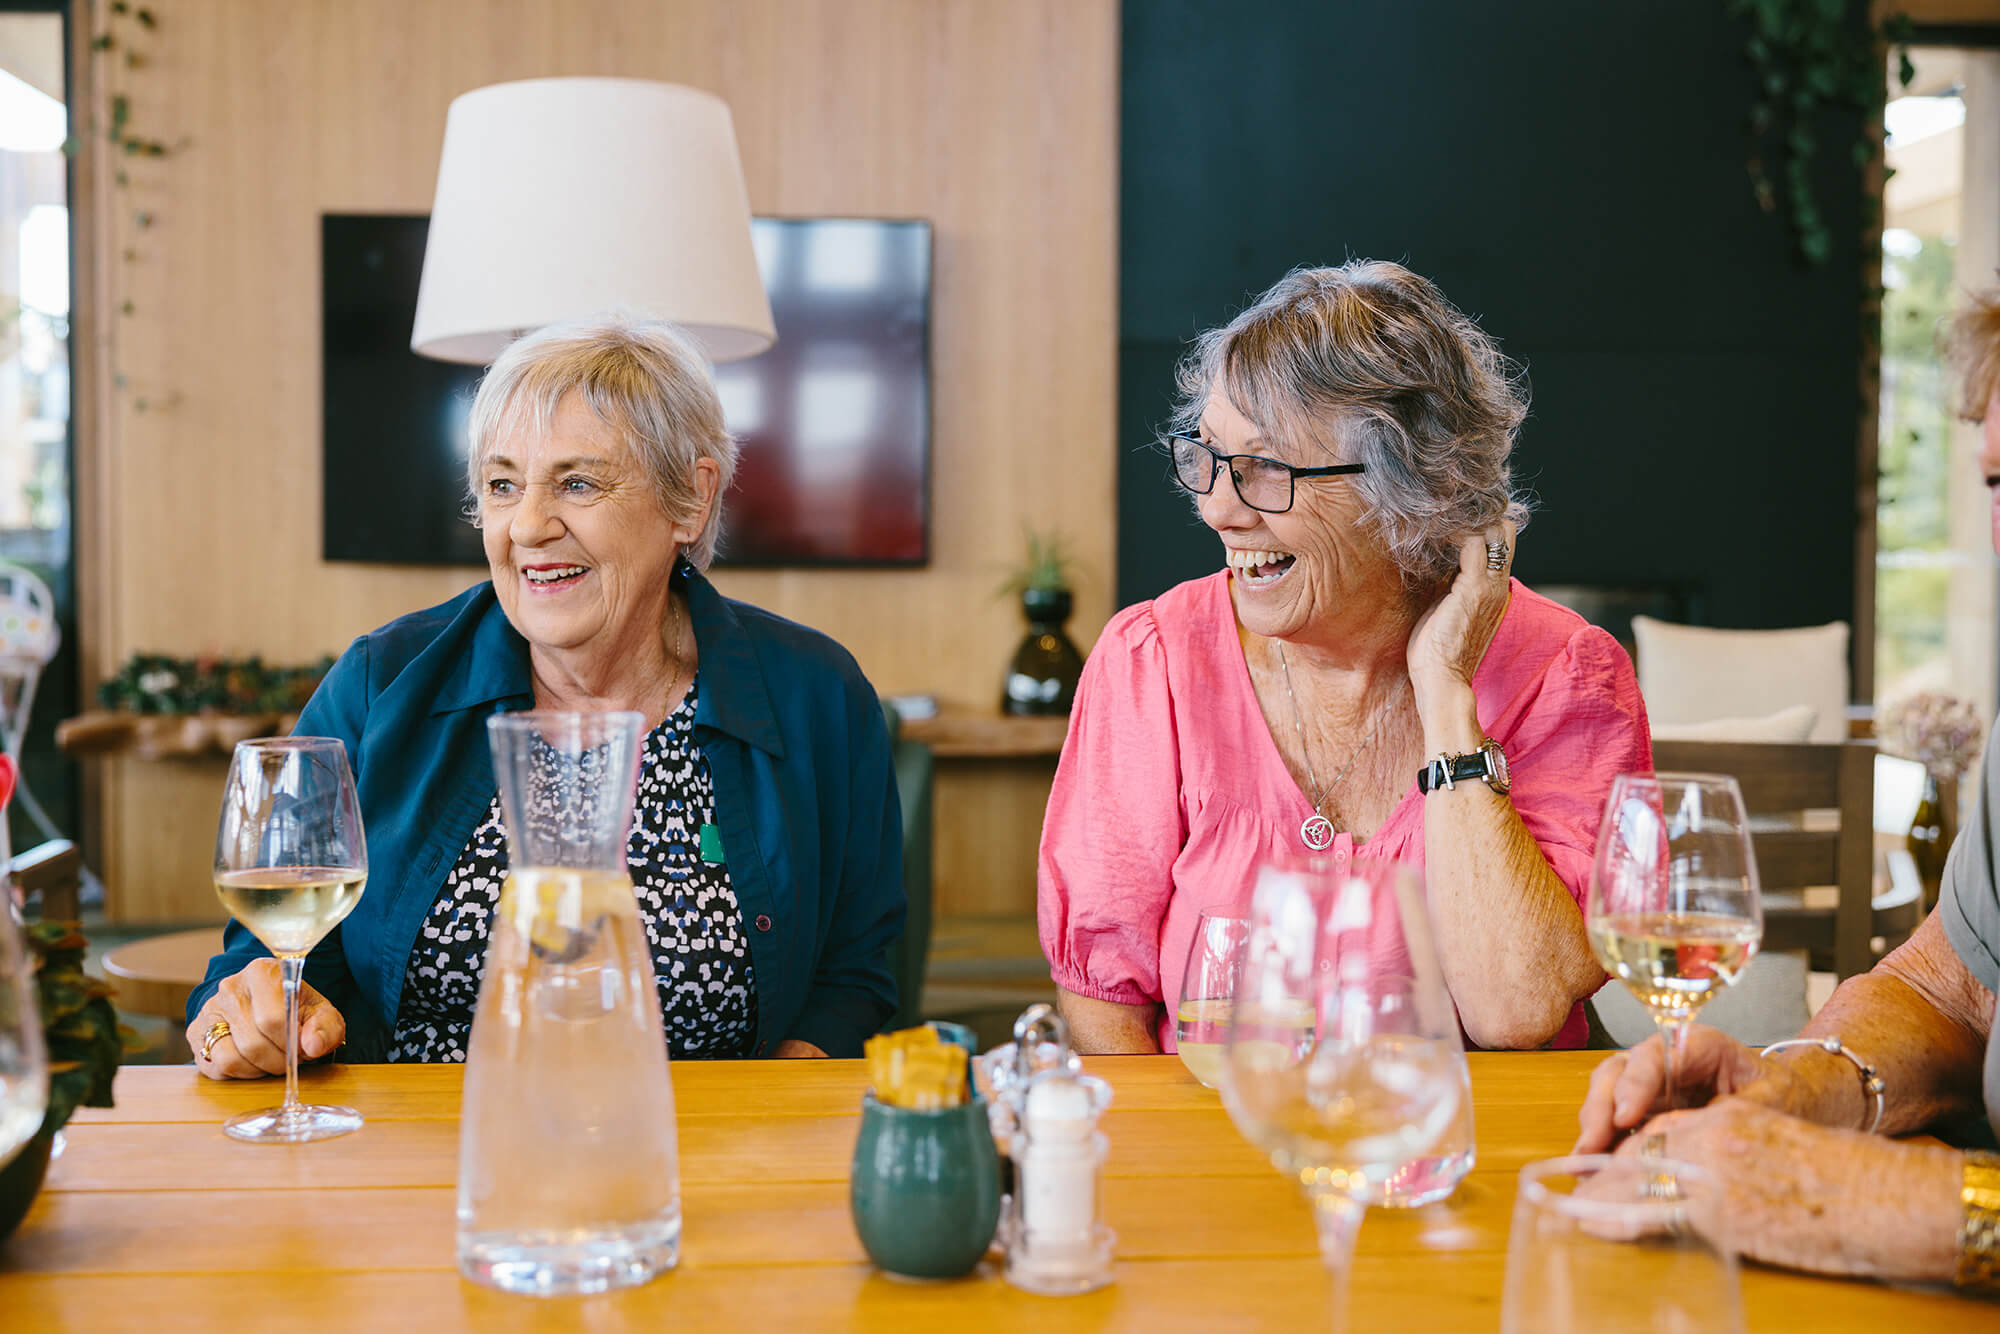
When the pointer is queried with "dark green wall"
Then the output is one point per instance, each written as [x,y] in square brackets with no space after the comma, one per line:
[1571,172]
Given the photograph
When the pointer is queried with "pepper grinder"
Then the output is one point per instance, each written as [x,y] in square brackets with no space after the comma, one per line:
[1058,1245]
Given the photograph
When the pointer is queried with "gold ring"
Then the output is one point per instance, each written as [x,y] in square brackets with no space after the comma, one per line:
[1654,1145]
[216,1032]
[1496,556]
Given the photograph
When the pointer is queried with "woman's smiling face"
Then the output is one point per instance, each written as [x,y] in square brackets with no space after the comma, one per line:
[1298,570]
[579,546]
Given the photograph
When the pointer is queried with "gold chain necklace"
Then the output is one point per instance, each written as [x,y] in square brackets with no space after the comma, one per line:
[1317,831]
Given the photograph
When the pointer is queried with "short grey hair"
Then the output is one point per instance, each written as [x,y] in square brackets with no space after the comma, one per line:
[1371,357]
[645,379]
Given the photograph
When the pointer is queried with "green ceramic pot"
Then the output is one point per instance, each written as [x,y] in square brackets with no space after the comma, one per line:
[21,1180]
[925,1189]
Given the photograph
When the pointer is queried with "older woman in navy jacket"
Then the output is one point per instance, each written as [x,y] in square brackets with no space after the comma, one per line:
[766,843]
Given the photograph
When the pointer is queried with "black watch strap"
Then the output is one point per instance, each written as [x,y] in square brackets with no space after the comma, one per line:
[1463,769]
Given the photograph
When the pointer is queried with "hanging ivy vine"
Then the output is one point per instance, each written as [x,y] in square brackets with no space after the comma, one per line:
[1810,57]
[119,48]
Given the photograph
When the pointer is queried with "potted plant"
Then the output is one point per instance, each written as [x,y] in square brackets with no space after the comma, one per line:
[1043,675]
[85,1042]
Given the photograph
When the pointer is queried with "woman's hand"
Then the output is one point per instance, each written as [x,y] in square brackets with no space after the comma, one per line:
[1808,1197]
[1450,638]
[1625,1090]
[252,1003]
[795,1049]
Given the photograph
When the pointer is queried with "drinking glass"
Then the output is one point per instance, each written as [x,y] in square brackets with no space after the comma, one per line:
[1595,1250]
[290,863]
[1343,1060]
[568,1158]
[24,1064]
[1208,988]
[1673,910]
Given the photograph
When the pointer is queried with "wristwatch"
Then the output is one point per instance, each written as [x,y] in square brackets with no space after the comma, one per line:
[1489,763]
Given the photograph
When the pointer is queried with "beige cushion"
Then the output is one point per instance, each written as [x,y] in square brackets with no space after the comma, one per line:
[1789,725]
[1692,674]
[1767,1004]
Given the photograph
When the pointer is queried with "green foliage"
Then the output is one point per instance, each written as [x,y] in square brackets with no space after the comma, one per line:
[1047,566]
[85,1039]
[151,683]
[1915,436]
[1810,57]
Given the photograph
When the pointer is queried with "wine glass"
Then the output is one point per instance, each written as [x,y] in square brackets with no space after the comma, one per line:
[1673,910]
[1208,988]
[290,862]
[1594,1249]
[24,1062]
[1343,1060]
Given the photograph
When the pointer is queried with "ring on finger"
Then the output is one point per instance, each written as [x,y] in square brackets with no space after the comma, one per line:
[217,1031]
[1496,556]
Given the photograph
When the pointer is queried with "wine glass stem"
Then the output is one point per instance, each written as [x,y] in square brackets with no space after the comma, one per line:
[1673,1042]
[1338,1218]
[293,968]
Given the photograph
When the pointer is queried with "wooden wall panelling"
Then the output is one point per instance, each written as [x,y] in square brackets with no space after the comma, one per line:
[996,121]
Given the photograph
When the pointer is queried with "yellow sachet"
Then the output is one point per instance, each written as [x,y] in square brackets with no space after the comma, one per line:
[915,1069]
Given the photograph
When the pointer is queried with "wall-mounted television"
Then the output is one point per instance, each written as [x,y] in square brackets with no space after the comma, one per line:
[834,420]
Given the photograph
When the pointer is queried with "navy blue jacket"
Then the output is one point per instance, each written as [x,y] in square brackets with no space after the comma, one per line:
[805,797]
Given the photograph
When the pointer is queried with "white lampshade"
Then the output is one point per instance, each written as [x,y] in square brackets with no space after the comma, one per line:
[563,198]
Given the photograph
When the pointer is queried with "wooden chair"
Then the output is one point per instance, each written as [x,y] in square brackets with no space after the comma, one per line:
[155,975]
[52,874]
[1786,790]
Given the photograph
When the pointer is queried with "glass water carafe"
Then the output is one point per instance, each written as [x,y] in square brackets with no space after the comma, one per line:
[568,1171]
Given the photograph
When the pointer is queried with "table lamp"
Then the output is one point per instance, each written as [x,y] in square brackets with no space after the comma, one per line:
[563,198]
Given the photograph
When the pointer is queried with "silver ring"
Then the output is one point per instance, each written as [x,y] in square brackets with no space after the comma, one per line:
[1496,556]
[1654,1145]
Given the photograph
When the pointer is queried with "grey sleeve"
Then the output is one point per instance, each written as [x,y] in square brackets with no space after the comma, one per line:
[1969,902]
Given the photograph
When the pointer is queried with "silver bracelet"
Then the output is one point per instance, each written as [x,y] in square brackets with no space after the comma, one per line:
[1871,1081]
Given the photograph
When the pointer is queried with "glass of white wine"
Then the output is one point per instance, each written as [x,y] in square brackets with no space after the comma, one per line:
[1372,1082]
[1673,910]
[1208,988]
[290,863]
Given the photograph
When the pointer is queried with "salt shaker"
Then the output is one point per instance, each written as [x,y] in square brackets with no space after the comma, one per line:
[1058,1244]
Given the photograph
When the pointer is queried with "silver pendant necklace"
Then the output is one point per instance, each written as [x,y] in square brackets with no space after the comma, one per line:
[1317,831]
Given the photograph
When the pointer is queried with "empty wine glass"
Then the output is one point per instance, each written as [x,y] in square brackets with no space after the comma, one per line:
[1594,1249]
[1673,910]
[290,863]
[1343,1060]
[24,1065]
[1208,988]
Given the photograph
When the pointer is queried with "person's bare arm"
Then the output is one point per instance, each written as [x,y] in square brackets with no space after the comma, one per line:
[1106,1027]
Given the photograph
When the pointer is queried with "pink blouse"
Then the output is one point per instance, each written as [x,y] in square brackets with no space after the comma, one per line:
[1171,791]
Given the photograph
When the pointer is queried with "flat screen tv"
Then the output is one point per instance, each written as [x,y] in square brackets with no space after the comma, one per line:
[834,420]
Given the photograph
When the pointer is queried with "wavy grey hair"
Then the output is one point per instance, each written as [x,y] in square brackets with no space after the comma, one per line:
[645,379]
[1369,363]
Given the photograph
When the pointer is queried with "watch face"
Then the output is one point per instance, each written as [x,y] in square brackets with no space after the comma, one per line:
[1496,766]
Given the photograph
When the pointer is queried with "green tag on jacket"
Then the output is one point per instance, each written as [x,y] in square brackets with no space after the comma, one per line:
[711,845]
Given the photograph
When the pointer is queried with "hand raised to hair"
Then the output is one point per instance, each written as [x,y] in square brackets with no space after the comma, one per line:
[1451,638]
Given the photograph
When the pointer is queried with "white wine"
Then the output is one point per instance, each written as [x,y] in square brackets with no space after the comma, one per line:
[1352,1115]
[1201,1033]
[1673,962]
[290,908]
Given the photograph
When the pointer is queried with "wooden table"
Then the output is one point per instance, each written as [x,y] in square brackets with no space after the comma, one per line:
[154,1221]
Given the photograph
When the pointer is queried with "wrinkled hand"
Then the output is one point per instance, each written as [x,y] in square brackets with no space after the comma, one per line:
[1451,637]
[1804,1196]
[1627,1088]
[253,1003]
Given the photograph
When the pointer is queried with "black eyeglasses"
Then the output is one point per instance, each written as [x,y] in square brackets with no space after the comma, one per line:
[1263,484]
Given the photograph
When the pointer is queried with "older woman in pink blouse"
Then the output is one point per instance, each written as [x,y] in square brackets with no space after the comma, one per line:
[1362,679]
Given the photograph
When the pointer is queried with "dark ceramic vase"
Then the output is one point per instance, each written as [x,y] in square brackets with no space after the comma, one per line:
[1042,678]
[925,1188]
[21,1180]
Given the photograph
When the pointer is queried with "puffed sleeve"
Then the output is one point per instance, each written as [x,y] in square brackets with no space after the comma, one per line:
[1586,726]
[1115,822]
[338,708]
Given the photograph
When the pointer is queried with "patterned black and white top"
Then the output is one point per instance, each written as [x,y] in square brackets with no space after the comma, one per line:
[695,926]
